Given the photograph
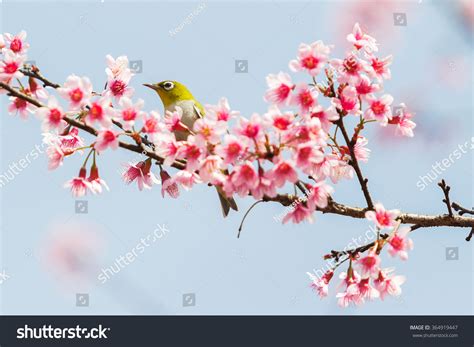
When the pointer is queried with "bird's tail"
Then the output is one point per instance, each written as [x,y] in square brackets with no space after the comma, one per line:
[227,203]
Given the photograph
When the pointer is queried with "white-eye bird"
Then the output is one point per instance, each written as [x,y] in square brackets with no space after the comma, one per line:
[172,94]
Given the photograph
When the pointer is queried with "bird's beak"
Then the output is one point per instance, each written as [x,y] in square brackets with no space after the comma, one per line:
[152,86]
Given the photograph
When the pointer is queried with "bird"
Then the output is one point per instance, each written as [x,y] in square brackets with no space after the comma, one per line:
[175,94]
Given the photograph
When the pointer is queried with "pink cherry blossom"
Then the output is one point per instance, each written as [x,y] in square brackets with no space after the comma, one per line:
[115,67]
[283,172]
[340,169]
[231,149]
[168,186]
[265,187]
[100,111]
[388,284]
[80,185]
[55,156]
[106,139]
[311,58]
[279,88]
[10,66]
[352,294]
[350,69]
[71,140]
[325,116]
[16,43]
[251,128]
[36,90]
[347,101]
[118,86]
[52,115]
[20,107]
[305,97]
[95,180]
[319,194]
[186,179]
[379,109]
[77,90]
[141,173]
[192,152]
[130,112]
[364,86]
[221,111]
[280,121]
[210,170]
[378,68]
[403,121]
[361,40]
[308,157]
[361,152]
[173,120]
[208,130]
[366,291]
[243,179]
[169,149]
[298,214]
[369,264]
[399,243]
[321,285]
[383,218]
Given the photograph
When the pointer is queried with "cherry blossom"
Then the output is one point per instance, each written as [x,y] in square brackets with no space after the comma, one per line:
[80,185]
[231,149]
[379,109]
[321,285]
[100,111]
[369,265]
[20,107]
[383,218]
[319,194]
[388,284]
[403,121]
[305,97]
[168,186]
[399,243]
[279,88]
[52,115]
[16,43]
[141,173]
[347,101]
[10,66]
[283,172]
[378,68]
[77,90]
[106,139]
[95,180]
[311,58]
[130,112]
[298,214]
[221,111]
[362,40]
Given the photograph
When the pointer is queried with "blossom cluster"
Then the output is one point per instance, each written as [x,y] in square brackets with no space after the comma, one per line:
[365,279]
[294,143]
[256,155]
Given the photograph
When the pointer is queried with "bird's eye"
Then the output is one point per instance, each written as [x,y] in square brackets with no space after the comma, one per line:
[168,85]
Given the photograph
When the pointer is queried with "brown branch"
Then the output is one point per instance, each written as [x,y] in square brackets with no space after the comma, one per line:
[445,188]
[419,220]
[461,210]
[355,164]
[74,122]
[34,72]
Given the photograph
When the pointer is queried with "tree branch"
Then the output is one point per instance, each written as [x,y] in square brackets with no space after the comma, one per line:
[71,121]
[355,164]
[445,188]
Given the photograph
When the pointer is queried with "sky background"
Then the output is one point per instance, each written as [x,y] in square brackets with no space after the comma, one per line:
[263,272]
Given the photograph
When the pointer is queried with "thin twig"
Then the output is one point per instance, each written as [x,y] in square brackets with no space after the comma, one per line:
[445,188]
[461,210]
[355,164]
[245,215]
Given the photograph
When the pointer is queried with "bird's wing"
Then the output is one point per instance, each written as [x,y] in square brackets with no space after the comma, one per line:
[198,109]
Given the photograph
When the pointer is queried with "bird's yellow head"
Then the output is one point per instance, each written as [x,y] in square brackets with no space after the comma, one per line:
[171,92]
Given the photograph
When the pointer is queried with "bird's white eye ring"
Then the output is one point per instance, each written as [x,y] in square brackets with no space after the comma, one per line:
[168,85]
